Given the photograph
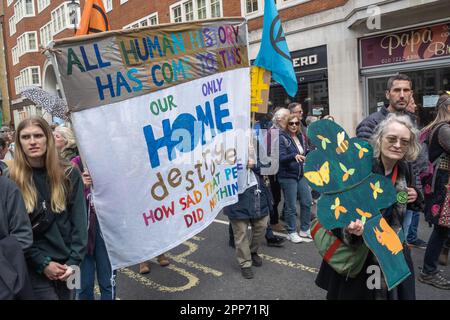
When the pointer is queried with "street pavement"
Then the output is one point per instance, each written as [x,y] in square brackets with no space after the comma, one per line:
[205,268]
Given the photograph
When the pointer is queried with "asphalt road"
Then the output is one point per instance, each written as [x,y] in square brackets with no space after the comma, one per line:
[205,268]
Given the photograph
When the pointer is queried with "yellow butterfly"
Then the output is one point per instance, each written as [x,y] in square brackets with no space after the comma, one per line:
[376,189]
[324,140]
[361,150]
[338,209]
[363,214]
[347,172]
[319,177]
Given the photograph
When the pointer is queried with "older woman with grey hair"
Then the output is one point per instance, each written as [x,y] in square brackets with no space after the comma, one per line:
[395,143]
[65,142]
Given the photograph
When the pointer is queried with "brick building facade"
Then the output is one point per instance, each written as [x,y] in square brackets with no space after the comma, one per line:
[324,38]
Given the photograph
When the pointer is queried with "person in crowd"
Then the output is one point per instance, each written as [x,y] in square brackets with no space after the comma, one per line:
[394,143]
[279,124]
[7,152]
[412,218]
[296,108]
[96,260]
[252,209]
[65,142]
[293,150]
[328,117]
[310,119]
[3,151]
[439,146]
[53,196]
[14,222]
[163,261]
[96,263]
[399,94]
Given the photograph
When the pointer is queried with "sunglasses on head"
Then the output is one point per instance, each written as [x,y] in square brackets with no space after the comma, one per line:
[294,123]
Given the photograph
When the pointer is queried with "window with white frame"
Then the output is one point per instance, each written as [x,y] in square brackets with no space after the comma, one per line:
[23,9]
[176,14]
[42,4]
[251,6]
[46,34]
[256,7]
[201,9]
[18,84]
[12,25]
[149,20]
[61,18]
[216,9]
[29,7]
[9,2]
[108,5]
[188,10]
[15,55]
[27,42]
[30,76]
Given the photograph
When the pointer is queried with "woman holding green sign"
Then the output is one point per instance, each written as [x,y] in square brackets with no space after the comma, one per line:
[394,143]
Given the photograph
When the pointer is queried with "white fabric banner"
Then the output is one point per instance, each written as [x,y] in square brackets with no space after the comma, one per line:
[164,164]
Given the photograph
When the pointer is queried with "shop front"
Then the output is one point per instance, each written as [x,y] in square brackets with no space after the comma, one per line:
[310,67]
[423,53]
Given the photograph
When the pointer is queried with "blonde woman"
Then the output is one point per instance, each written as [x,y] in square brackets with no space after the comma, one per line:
[53,196]
[65,142]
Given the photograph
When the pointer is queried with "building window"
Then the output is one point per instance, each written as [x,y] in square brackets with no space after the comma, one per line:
[46,34]
[9,2]
[27,42]
[15,55]
[42,4]
[61,18]
[149,20]
[12,25]
[189,10]
[215,9]
[108,5]
[30,76]
[29,7]
[177,14]
[251,6]
[201,9]
[123,1]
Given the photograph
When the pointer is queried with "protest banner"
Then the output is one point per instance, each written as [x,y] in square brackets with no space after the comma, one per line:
[161,117]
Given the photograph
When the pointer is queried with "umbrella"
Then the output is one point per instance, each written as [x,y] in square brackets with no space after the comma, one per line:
[49,102]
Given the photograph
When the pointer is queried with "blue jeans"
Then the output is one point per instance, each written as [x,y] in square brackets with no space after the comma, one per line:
[412,232]
[434,247]
[407,221]
[293,190]
[100,262]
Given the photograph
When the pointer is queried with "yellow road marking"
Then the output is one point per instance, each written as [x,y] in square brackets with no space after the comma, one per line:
[192,280]
[289,264]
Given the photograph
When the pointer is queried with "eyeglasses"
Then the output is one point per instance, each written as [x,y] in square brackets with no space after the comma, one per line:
[294,123]
[404,143]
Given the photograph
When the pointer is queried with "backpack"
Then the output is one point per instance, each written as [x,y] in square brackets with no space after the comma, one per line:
[428,172]
[343,259]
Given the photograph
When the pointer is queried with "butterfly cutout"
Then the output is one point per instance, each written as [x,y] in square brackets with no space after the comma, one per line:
[324,141]
[320,177]
[347,172]
[376,189]
[362,150]
[338,209]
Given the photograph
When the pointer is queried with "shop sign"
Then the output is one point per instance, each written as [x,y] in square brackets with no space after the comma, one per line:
[309,59]
[425,43]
